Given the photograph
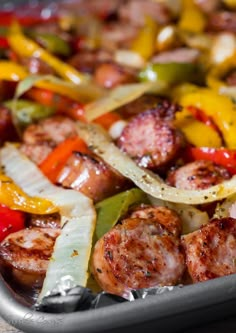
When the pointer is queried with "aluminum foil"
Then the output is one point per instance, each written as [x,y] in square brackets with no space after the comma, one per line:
[67,297]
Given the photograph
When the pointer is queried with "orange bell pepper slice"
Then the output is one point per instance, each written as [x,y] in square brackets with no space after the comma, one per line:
[55,161]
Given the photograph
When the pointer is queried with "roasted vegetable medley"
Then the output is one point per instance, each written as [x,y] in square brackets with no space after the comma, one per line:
[117,144]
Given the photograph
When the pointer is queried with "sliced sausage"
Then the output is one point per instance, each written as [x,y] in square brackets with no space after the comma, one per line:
[180,55]
[136,11]
[211,251]
[208,6]
[91,176]
[110,75]
[39,139]
[36,152]
[197,175]
[222,21]
[51,130]
[45,221]
[139,105]
[140,252]
[88,60]
[118,35]
[25,254]
[151,140]
[166,217]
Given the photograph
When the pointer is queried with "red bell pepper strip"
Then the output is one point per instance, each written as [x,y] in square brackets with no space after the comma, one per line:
[56,160]
[222,156]
[107,120]
[3,42]
[8,17]
[200,115]
[61,104]
[10,221]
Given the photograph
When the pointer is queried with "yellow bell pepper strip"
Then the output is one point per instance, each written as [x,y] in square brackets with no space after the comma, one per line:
[14,197]
[231,4]
[192,18]
[168,72]
[25,47]
[219,107]
[144,43]
[182,89]
[11,71]
[196,132]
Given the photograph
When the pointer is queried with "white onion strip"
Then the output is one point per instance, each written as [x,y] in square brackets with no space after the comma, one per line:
[146,180]
[73,247]
[119,96]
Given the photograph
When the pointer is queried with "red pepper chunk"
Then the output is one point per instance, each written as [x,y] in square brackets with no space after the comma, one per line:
[222,156]
[62,104]
[8,17]
[10,221]
[56,160]
[108,119]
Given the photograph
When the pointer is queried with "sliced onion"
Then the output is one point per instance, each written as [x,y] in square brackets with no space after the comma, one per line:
[191,217]
[120,96]
[129,58]
[227,208]
[101,144]
[73,247]
[83,93]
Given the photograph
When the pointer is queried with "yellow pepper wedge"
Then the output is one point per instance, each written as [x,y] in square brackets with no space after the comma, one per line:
[191,19]
[196,132]
[219,107]
[144,43]
[12,196]
[11,71]
[26,47]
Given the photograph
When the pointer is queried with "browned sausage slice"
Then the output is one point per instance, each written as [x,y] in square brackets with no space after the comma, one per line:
[197,175]
[152,141]
[138,253]
[91,176]
[110,75]
[222,21]
[136,11]
[211,251]
[25,254]
[40,139]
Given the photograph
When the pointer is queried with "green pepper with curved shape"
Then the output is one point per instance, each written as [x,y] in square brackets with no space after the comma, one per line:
[169,73]
[110,210]
[52,43]
[26,112]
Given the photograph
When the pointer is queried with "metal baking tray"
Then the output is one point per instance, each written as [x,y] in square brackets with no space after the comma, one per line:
[169,312]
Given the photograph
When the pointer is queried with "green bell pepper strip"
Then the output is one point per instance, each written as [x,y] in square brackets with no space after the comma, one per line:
[110,210]
[26,112]
[169,72]
[52,43]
